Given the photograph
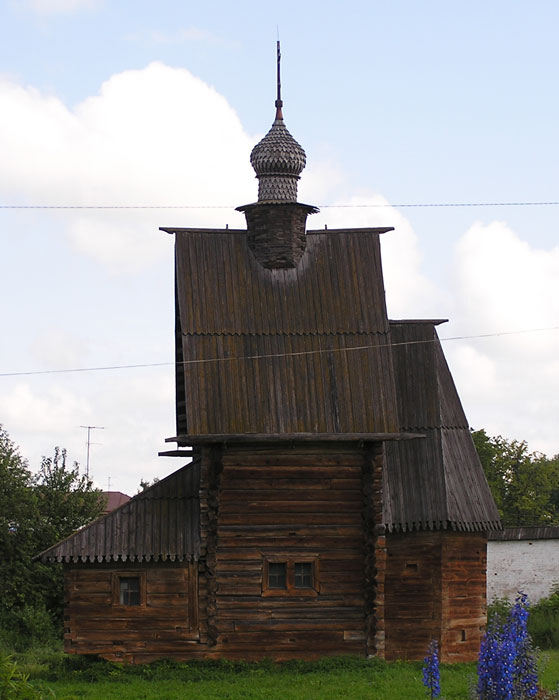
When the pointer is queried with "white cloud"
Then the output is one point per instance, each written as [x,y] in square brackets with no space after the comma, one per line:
[134,410]
[61,6]
[408,292]
[509,383]
[157,136]
[50,412]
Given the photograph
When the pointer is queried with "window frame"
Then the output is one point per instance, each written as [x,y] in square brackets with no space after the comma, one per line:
[117,576]
[290,590]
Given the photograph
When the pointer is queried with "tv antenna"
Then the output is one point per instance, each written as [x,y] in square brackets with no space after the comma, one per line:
[89,428]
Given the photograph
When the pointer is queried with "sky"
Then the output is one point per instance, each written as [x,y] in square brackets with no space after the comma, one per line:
[158,105]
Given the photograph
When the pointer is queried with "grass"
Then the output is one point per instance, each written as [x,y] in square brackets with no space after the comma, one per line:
[77,677]
[74,678]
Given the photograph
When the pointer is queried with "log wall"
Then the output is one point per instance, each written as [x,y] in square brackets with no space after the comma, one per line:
[308,503]
[435,589]
[317,503]
[163,624]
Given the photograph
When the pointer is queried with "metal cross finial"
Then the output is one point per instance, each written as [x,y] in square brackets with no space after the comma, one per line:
[279,103]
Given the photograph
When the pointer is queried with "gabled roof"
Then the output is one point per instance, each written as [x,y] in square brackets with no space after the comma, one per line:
[264,349]
[437,482]
[159,523]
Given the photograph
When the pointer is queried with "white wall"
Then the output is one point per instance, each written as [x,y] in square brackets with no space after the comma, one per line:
[531,566]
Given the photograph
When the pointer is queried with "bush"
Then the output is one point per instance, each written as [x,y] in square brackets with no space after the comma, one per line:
[14,684]
[543,623]
[22,628]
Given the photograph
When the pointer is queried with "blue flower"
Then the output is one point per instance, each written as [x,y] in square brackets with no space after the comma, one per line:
[507,662]
[431,673]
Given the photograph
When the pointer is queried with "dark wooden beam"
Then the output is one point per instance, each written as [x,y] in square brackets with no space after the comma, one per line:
[291,437]
[176,453]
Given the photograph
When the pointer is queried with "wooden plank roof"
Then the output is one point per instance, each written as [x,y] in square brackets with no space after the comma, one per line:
[527,532]
[299,350]
[160,523]
[437,482]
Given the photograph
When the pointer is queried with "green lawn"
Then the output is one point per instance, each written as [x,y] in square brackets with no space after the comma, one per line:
[355,679]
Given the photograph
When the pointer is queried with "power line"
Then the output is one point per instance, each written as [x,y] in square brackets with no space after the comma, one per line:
[273,355]
[321,206]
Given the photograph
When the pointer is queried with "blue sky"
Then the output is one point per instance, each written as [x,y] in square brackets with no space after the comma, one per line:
[160,103]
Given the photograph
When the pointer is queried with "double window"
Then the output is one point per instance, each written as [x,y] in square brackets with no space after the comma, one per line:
[290,576]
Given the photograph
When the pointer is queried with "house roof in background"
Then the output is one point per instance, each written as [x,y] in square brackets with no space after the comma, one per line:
[532,532]
[113,499]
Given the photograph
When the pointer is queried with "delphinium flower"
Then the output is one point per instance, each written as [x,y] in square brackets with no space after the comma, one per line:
[507,663]
[525,666]
[431,674]
[495,666]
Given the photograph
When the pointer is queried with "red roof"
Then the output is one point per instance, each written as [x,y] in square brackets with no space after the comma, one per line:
[114,499]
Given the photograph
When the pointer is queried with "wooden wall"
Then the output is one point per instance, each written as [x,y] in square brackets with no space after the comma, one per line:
[435,589]
[295,502]
[165,623]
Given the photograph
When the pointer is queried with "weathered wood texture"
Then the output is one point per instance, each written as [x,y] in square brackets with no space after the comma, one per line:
[159,523]
[95,622]
[310,344]
[435,589]
[304,503]
[437,481]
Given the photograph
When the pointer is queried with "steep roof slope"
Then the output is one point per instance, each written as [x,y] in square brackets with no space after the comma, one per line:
[436,482]
[263,349]
[159,523]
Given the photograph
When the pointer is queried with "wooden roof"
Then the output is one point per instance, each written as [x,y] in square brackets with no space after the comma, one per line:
[527,532]
[436,482]
[160,523]
[264,350]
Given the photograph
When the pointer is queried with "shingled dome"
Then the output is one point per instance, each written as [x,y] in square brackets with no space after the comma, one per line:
[278,160]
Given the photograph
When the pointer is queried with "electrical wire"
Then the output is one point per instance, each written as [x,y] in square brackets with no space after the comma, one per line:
[320,206]
[274,355]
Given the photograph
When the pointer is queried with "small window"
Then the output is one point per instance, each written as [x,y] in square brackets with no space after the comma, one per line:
[303,574]
[129,590]
[277,575]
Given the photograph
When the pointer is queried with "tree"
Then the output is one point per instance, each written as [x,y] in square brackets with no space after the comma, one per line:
[19,519]
[525,485]
[35,513]
[66,502]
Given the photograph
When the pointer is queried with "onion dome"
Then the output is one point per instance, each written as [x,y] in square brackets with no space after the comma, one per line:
[278,161]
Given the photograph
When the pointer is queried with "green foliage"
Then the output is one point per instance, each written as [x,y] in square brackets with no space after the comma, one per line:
[35,513]
[144,484]
[543,623]
[498,611]
[66,500]
[14,684]
[348,677]
[525,485]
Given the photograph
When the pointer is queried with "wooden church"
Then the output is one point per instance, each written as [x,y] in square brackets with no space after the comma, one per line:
[334,503]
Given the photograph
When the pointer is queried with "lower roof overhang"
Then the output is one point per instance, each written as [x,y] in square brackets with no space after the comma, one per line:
[192,440]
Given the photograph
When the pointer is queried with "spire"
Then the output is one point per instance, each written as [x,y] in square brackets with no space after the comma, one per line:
[278,159]
[279,103]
